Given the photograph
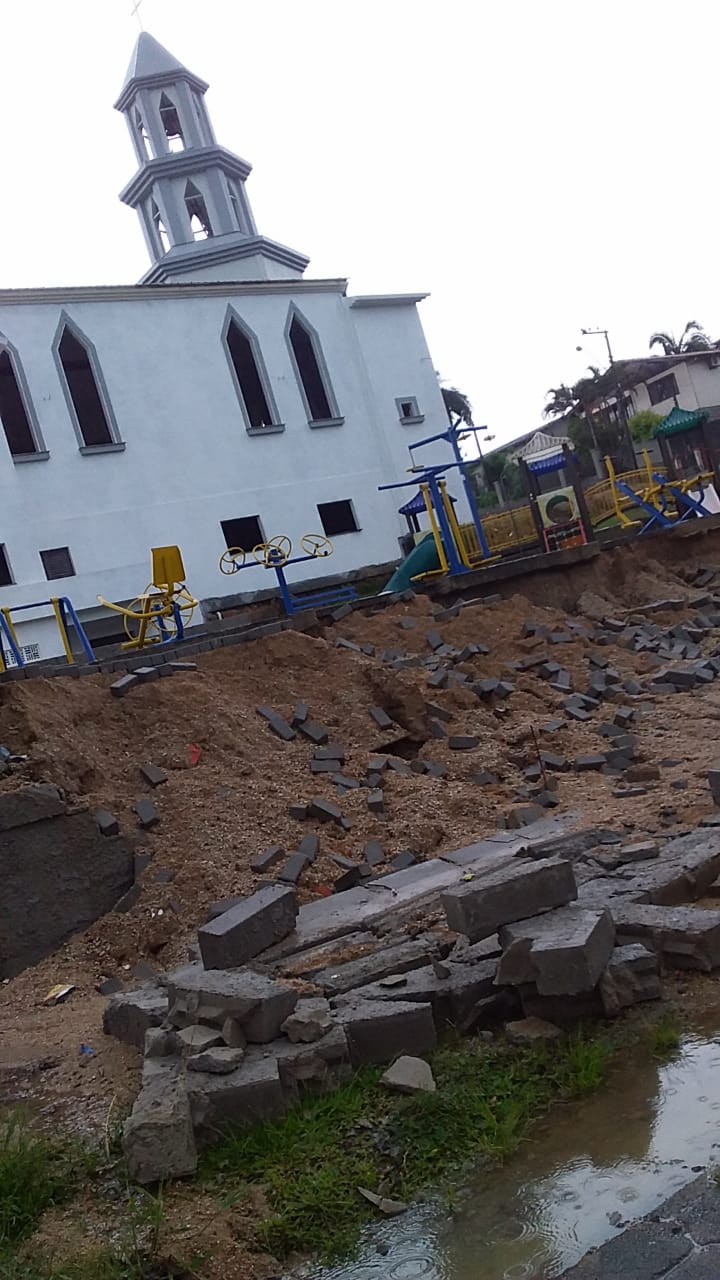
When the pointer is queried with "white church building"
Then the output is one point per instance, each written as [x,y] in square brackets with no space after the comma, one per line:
[224,399]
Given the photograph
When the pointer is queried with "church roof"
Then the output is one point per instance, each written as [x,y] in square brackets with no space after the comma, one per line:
[152,62]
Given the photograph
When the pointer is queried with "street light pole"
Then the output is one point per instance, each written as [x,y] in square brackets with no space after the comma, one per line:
[620,398]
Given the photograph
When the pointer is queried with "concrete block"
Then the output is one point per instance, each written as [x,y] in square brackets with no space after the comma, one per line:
[557,763]
[314,732]
[381,718]
[639,851]
[379,1031]
[108,824]
[293,869]
[146,674]
[453,991]
[373,853]
[147,815]
[277,723]
[435,769]
[158,1138]
[248,928]
[120,688]
[585,763]
[439,713]
[196,1038]
[485,778]
[376,803]
[217,1060]
[333,752]
[478,909]
[683,937]
[129,1014]
[409,1075]
[324,810]
[406,858]
[262,862]
[310,847]
[463,742]
[523,815]
[300,714]
[153,775]
[179,667]
[251,1093]
[298,811]
[562,952]
[339,978]
[259,1003]
[631,978]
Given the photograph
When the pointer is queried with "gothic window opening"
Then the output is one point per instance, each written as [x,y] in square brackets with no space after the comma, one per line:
[303,347]
[142,134]
[242,356]
[84,393]
[13,413]
[197,213]
[235,204]
[160,227]
[171,124]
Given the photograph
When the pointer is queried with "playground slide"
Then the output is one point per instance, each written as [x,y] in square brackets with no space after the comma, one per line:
[422,559]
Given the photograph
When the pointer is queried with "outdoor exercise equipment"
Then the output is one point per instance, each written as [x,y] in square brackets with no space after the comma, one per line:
[65,616]
[160,614]
[276,554]
[665,501]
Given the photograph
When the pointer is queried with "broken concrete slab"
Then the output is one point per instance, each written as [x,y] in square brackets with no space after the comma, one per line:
[688,866]
[158,1138]
[259,1003]
[310,1020]
[30,804]
[405,956]
[409,1075]
[478,909]
[531,1030]
[683,937]
[218,1060]
[248,928]
[195,1038]
[252,1092]
[129,1014]
[631,978]
[452,998]
[379,1031]
[562,952]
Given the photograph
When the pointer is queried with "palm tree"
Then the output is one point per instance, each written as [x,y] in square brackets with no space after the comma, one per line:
[459,408]
[560,401]
[692,338]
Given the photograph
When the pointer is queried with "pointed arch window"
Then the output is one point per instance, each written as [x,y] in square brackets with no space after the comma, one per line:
[250,376]
[171,124]
[311,371]
[17,414]
[197,213]
[142,134]
[160,227]
[235,203]
[85,391]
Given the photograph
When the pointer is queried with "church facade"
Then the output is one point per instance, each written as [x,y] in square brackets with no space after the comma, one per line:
[223,400]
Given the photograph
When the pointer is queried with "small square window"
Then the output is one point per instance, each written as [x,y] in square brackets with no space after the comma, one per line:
[408,409]
[6,578]
[57,563]
[244,531]
[338,517]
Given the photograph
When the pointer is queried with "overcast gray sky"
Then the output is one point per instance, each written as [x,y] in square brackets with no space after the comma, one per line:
[537,167]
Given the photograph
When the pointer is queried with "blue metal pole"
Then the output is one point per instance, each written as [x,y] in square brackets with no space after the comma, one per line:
[456,566]
[66,603]
[462,464]
[7,633]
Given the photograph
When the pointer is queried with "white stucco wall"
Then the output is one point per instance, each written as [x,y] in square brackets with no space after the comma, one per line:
[189,462]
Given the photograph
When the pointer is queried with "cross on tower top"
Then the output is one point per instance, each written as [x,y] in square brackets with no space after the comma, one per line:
[136,13]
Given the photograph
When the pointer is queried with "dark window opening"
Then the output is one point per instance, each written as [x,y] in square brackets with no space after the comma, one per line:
[94,426]
[663,388]
[309,370]
[338,517]
[13,414]
[244,531]
[142,134]
[197,213]
[6,578]
[57,563]
[160,227]
[407,408]
[171,124]
[248,376]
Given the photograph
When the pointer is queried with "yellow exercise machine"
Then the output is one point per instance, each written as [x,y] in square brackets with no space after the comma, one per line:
[162,611]
[276,554]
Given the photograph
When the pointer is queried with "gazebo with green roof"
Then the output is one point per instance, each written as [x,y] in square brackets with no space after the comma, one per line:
[687,443]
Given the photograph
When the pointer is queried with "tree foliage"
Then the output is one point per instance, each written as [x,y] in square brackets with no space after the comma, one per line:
[692,338]
[643,423]
[458,407]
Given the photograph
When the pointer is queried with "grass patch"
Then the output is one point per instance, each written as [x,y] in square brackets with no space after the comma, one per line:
[36,1172]
[312,1161]
[665,1035]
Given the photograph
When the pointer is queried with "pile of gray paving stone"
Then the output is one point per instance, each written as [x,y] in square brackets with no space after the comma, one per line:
[519,927]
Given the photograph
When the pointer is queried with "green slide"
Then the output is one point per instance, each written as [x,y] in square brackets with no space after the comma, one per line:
[422,559]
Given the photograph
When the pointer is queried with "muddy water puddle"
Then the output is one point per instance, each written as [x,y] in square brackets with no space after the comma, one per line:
[587,1170]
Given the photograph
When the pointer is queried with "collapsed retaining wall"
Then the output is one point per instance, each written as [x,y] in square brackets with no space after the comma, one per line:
[57,874]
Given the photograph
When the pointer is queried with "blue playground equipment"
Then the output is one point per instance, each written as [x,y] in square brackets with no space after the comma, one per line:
[276,554]
[65,615]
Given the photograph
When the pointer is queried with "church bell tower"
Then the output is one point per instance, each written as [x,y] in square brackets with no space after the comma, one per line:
[188,192]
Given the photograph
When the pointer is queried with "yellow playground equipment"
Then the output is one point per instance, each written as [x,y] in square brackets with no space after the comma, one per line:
[163,610]
[276,554]
[661,500]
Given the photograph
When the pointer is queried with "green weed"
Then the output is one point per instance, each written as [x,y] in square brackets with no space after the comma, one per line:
[665,1035]
[36,1171]
[313,1160]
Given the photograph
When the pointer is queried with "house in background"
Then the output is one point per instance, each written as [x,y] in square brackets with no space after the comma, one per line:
[223,400]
